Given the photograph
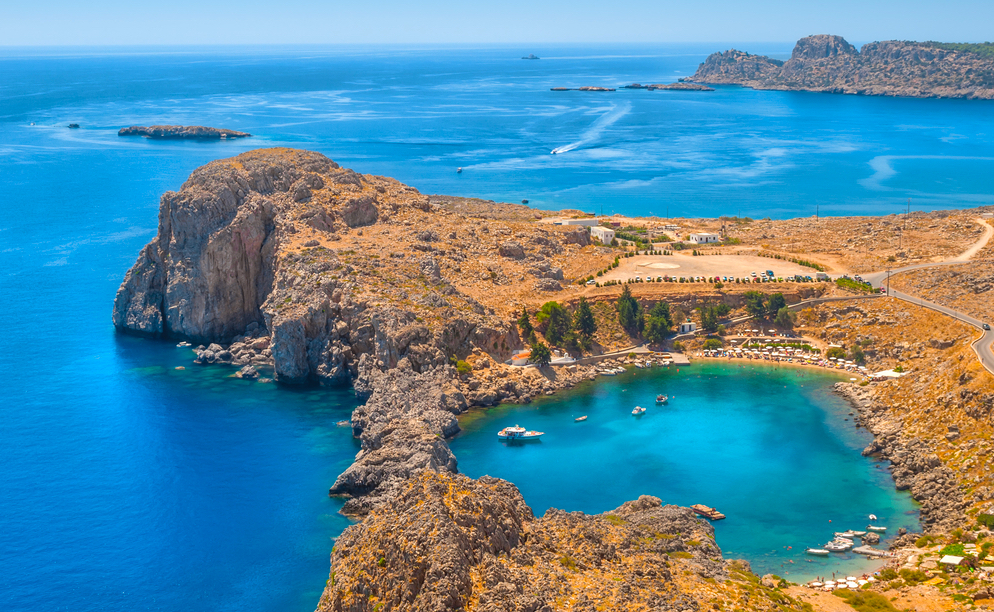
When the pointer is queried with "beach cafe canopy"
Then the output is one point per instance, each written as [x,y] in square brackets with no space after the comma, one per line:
[773,331]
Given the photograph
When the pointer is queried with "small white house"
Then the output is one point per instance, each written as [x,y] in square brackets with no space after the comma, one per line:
[704,238]
[603,234]
[687,328]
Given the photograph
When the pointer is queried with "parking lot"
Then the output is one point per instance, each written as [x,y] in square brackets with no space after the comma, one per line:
[685,264]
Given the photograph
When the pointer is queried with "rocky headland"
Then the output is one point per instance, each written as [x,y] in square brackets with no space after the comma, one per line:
[447,542]
[825,63]
[281,261]
[180,132]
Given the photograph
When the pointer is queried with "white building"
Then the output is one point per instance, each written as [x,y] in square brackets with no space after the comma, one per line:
[580,222]
[603,234]
[704,238]
[687,328]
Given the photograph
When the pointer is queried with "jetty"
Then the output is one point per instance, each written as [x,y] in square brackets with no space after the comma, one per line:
[707,512]
[869,551]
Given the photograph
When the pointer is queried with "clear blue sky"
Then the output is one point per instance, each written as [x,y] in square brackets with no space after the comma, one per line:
[185,22]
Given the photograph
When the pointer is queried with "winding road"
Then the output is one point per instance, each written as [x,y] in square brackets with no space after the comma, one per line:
[982,345]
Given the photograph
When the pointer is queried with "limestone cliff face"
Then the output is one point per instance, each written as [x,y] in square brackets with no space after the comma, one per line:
[281,258]
[830,64]
[447,542]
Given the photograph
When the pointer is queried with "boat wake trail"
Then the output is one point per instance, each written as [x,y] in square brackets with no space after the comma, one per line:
[592,133]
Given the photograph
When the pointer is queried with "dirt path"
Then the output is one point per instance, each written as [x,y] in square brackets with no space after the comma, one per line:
[980,244]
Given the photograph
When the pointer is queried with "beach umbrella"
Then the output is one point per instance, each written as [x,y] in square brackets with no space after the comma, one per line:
[852,380]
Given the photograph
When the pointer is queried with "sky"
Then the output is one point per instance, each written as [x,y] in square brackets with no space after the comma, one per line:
[221,22]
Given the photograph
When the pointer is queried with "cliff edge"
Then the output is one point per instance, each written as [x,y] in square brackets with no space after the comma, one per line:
[827,63]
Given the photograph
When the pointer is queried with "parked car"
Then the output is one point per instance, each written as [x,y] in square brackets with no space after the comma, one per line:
[987,327]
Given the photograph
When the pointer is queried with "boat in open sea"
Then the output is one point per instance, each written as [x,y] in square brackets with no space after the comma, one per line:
[707,512]
[638,410]
[662,399]
[518,433]
[578,419]
[821,552]
[876,528]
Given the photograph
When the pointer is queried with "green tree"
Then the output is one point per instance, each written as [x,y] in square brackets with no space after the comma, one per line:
[785,318]
[658,323]
[773,306]
[709,318]
[630,313]
[755,303]
[835,351]
[712,344]
[583,320]
[525,323]
[541,355]
[556,322]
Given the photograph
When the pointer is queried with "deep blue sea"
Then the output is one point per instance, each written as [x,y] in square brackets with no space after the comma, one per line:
[130,485]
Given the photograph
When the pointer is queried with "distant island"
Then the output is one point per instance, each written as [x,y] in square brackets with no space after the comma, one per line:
[681,86]
[190,132]
[830,64]
[531,56]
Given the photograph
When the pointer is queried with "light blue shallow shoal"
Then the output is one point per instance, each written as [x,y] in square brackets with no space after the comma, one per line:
[767,446]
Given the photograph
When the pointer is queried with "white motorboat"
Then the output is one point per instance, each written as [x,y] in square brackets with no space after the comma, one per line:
[638,410]
[183,345]
[859,534]
[821,552]
[845,534]
[876,528]
[838,546]
[608,372]
[662,399]
[873,517]
[578,419]
[518,433]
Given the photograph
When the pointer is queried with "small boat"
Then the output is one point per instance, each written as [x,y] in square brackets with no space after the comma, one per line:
[638,410]
[183,345]
[858,534]
[458,170]
[73,126]
[873,517]
[707,512]
[845,534]
[344,423]
[876,528]
[821,552]
[578,419]
[837,547]
[608,372]
[662,399]
[524,201]
[518,433]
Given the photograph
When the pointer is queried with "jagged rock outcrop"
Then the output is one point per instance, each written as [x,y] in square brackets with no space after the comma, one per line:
[180,132]
[830,64]
[448,542]
[915,466]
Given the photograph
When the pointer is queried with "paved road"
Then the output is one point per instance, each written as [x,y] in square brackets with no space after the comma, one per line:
[983,345]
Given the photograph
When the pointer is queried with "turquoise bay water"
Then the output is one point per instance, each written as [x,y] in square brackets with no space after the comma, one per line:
[769,447]
[130,485]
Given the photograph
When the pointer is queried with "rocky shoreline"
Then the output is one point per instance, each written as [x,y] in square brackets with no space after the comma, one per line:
[914,465]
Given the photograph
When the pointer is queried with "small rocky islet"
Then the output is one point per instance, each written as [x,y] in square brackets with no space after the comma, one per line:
[180,132]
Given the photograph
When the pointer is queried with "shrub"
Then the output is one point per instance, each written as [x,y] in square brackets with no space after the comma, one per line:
[865,601]
[712,344]
[463,368]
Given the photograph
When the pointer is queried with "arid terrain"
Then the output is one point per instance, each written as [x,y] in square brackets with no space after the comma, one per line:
[283,264]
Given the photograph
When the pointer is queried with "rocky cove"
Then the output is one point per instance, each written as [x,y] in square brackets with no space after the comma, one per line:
[281,259]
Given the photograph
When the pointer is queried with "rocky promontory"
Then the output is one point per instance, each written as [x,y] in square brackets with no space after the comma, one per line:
[280,258]
[447,542]
[180,132]
[826,63]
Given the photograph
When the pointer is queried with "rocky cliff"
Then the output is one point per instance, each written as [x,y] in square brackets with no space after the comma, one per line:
[451,543]
[830,64]
[280,258]
[180,132]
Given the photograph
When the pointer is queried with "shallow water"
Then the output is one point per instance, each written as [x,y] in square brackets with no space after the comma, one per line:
[768,446]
